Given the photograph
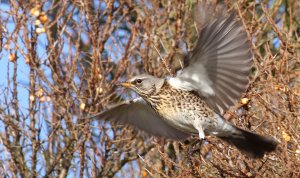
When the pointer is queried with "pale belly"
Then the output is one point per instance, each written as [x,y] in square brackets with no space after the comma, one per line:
[186,121]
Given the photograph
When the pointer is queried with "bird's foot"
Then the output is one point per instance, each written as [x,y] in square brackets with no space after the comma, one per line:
[196,147]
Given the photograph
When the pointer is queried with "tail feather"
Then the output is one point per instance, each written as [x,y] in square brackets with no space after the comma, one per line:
[253,144]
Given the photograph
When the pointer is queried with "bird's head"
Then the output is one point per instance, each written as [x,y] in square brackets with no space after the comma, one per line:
[144,85]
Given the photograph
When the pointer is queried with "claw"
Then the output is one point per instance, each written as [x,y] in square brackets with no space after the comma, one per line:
[195,147]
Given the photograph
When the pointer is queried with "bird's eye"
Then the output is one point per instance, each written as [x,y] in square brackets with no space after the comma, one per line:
[139,81]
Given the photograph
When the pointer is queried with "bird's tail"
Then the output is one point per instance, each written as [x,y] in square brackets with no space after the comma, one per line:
[253,144]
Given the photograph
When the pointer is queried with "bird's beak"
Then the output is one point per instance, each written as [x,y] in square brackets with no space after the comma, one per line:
[127,85]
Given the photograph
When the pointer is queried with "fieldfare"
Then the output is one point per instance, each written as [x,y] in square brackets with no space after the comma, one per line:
[193,101]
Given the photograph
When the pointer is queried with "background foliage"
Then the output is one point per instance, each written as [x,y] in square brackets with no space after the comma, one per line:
[60,60]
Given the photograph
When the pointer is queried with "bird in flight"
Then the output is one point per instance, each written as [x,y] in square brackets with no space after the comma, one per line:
[193,101]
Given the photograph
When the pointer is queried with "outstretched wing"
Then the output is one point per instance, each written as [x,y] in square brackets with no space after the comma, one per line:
[220,63]
[139,114]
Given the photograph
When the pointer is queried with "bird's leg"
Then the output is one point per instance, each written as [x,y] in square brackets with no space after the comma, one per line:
[192,149]
[197,145]
[200,131]
[201,135]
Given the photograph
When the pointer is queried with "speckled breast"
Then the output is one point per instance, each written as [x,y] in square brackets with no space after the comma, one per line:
[182,109]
